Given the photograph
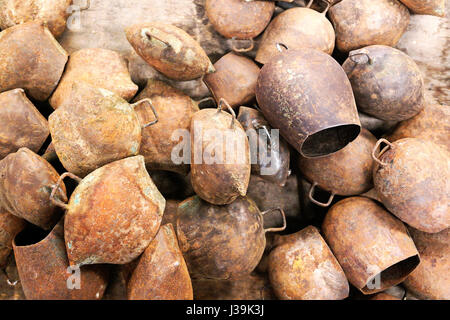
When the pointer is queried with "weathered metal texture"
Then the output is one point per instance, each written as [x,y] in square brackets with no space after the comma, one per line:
[431,279]
[307,95]
[347,172]
[432,123]
[30,58]
[92,128]
[372,246]
[9,226]
[220,157]
[413,183]
[52,12]
[113,214]
[302,267]
[175,110]
[170,212]
[22,124]
[234,80]
[375,125]
[161,273]
[386,82]
[296,28]
[44,274]
[220,242]
[249,287]
[269,195]
[239,19]
[274,168]
[360,23]
[98,67]
[170,50]
[26,181]
[384,296]
[173,185]
[10,287]
[432,7]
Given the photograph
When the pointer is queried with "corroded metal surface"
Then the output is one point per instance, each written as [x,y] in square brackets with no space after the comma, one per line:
[234,80]
[249,287]
[175,110]
[220,242]
[239,19]
[297,28]
[307,95]
[92,128]
[372,246]
[346,172]
[21,123]
[432,7]
[26,173]
[170,50]
[10,286]
[386,82]
[431,279]
[276,167]
[113,214]
[413,183]
[161,273]
[219,174]
[302,267]
[43,270]
[432,123]
[38,61]
[98,67]
[170,212]
[360,23]
[52,12]
[9,226]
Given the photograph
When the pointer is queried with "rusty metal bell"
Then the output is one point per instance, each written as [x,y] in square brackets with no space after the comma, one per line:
[113,214]
[297,28]
[222,242]
[234,80]
[175,110]
[101,68]
[373,247]
[270,158]
[26,173]
[44,269]
[347,172]
[53,13]
[220,155]
[411,179]
[431,7]
[22,124]
[237,19]
[431,279]
[161,273]
[432,123]
[38,61]
[306,94]
[360,23]
[170,50]
[386,82]
[95,127]
[302,267]
[10,226]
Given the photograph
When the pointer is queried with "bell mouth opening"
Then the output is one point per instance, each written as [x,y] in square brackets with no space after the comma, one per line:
[392,275]
[330,140]
[31,235]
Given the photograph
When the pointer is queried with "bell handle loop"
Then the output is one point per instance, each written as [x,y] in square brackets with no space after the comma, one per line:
[321,204]
[247,49]
[222,101]
[375,149]
[369,60]
[206,99]
[259,126]
[87,6]
[279,45]
[283,216]
[149,101]
[56,201]
[11,283]
[324,12]
[309,3]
